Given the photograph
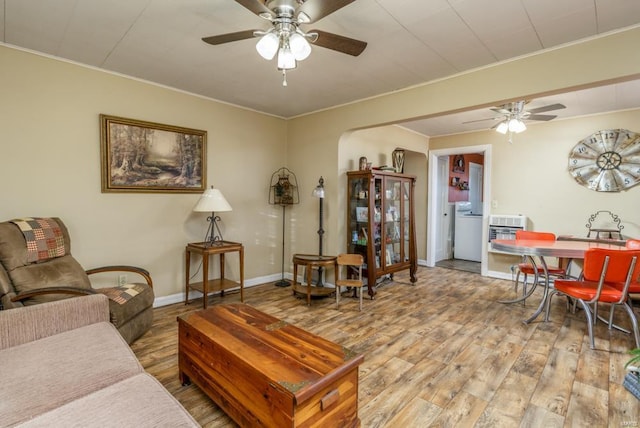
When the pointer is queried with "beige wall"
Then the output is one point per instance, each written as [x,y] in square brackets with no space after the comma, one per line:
[49,158]
[50,166]
[313,139]
[530,176]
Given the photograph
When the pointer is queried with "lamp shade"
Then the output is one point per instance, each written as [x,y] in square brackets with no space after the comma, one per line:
[212,200]
[299,46]
[286,60]
[503,127]
[267,46]
[318,192]
[516,125]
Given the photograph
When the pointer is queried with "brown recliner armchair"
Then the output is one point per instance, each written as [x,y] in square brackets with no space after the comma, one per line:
[36,266]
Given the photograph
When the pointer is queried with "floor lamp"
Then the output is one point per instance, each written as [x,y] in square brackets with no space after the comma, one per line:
[283,191]
[318,192]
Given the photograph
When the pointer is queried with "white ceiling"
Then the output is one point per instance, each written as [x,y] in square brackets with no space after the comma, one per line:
[409,42]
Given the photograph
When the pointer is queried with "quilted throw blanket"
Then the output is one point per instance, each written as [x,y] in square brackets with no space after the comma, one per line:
[43,236]
[123,293]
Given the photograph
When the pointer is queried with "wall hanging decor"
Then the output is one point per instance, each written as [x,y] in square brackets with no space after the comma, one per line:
[607,160]
[458,163]
[138,156]
[398,160]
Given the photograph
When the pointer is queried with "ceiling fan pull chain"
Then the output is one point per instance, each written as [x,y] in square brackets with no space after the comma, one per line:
[284,77]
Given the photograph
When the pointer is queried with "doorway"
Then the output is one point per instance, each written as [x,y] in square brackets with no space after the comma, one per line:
[439,212]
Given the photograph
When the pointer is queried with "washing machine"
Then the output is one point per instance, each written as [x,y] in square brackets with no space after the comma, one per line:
[467,242]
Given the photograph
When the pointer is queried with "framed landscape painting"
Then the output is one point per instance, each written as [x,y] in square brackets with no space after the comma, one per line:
[138,156]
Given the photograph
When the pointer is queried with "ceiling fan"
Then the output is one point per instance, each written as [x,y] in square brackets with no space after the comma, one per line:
[285,37]
[512,116]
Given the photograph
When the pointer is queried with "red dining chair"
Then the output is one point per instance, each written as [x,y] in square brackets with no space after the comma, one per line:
[634,286]
[602,270]
[633,244]
[531,268]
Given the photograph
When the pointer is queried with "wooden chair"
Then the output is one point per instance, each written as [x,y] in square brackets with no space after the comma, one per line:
[346,261]
[603,272]
[530,267]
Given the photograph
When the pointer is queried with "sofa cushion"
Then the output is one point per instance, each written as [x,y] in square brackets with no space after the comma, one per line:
[134,402]
[39,376]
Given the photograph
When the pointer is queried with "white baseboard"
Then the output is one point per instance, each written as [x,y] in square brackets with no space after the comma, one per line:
[499,275]
[179,297]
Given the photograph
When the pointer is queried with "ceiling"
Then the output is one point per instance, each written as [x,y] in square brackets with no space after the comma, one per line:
[409,42]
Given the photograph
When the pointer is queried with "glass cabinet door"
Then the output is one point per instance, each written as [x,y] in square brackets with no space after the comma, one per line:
[380,223]
[406,211]
[393,221]
[358,226]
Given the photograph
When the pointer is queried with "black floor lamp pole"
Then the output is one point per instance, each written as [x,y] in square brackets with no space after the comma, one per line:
[283,282]
[320,194]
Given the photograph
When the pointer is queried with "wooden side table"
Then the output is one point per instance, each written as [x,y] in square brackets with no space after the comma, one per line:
[310,261]
[205,249]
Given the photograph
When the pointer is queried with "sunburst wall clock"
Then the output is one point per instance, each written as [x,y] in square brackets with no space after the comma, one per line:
[607,160]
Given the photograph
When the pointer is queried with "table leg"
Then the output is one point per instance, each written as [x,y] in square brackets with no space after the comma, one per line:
[295,277]
[545,294]
[308,271]
[205,280]
[186,280]
[241,275]
[533,286]
[221,274]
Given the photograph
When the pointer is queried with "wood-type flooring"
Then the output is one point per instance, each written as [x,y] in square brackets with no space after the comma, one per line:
[440,353]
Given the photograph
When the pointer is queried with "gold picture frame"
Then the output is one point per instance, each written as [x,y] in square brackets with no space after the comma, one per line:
[139,156]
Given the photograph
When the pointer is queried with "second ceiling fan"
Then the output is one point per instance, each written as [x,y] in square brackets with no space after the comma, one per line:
[511,116]
[285,37]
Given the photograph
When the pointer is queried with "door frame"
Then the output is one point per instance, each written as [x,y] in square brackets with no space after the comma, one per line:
[434,183]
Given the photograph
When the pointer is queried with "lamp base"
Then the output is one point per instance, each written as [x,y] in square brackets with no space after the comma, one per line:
[282,283]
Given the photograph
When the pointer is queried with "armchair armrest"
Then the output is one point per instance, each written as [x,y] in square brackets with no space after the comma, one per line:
[124,268]
[52,290]
[22,325]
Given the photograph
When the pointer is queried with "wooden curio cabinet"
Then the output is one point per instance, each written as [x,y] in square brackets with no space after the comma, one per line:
[381,223]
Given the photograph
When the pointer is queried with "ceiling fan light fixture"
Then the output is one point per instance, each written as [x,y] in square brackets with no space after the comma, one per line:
[286,60]
[503,127]
[268,45]
[516,125]
[299,46]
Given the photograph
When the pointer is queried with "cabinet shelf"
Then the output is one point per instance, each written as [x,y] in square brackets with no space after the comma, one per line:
[387,238]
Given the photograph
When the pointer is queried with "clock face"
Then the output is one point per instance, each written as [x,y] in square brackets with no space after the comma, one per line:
[607,161]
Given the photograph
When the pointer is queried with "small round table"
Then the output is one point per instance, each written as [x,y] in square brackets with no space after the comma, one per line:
[310,261]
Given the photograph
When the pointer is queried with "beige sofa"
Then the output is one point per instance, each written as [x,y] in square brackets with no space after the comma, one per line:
[64,364]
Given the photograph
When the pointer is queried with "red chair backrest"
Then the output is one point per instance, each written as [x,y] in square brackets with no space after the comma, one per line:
[617,269]
[633,244]
[535,236]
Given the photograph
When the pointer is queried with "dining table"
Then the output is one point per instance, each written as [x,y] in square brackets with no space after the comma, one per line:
[564,250]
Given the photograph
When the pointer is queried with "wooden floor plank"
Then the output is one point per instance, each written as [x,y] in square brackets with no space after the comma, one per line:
[555,384]
[442,352]
[417,413]
[463,410]
[588,406]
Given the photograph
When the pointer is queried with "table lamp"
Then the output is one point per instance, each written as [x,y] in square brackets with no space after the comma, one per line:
[213,201]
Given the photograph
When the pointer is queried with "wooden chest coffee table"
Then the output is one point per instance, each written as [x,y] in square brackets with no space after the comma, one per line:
[264,372]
